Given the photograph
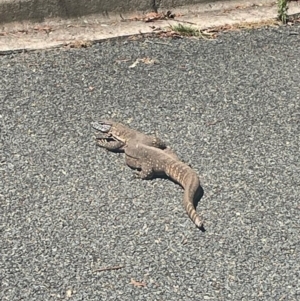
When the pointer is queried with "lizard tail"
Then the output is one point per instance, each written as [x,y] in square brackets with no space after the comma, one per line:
[188,179]
[191,192]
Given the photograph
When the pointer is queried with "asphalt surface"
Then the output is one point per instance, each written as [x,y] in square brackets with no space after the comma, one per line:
[230,107]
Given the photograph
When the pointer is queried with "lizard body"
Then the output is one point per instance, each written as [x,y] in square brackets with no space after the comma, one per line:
[151,157]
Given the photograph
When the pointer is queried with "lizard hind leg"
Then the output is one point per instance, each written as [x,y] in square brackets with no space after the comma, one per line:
[144,170]
[171,153]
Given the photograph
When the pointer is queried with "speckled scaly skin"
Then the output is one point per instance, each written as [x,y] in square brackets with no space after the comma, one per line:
[153,161]
[151,157]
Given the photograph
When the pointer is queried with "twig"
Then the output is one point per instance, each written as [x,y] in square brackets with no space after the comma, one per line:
[215,122]
[183,21]
[160,43]
[118,267]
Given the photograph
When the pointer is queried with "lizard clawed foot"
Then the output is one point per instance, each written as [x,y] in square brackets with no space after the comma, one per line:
[136,174]
[140,174]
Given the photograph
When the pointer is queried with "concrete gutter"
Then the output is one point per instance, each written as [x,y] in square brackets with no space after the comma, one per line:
[84,31]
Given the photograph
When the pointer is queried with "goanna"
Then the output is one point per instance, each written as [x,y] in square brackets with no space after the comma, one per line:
[151,157]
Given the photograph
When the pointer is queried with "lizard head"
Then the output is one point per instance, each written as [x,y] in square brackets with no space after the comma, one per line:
[110,131]
[103,126]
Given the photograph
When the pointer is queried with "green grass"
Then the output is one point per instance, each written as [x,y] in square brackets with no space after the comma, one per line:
[185,30]
[282,11]
[188,31]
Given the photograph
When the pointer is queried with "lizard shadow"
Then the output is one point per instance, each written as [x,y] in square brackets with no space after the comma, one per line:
[198,195]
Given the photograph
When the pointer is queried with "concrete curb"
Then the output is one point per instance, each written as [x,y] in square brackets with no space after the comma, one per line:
[39,10]
[84,31]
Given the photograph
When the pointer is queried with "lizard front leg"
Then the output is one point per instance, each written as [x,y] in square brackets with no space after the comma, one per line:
[157,142]
[110,145]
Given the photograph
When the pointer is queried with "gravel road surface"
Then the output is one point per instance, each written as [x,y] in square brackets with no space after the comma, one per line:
[230,107]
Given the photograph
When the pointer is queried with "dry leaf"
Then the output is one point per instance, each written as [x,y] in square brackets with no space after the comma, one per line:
[145,60]
[148,61]
[152,16]
[137,283]
[122,60]
[47,29]
[80,44]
